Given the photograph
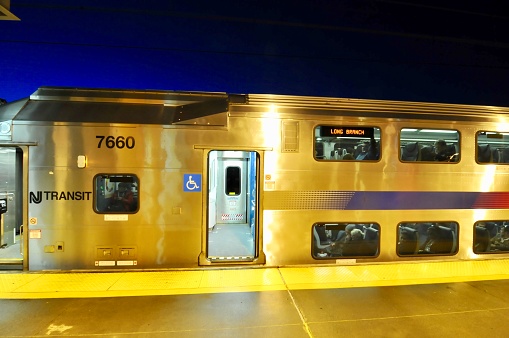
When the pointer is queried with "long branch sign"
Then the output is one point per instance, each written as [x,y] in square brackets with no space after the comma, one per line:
[346,131]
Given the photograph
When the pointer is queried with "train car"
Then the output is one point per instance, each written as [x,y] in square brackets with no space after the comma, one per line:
[98,179]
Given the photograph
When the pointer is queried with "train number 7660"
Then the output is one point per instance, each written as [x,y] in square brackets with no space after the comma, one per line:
[119,142]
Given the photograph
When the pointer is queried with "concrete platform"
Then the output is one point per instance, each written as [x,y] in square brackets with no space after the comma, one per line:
[467,299]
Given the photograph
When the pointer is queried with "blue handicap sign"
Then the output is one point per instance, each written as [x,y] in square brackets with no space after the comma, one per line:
[192,182]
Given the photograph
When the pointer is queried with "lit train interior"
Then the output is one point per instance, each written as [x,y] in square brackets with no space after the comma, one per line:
[492,147]
[339,143]
[232,199]
[332,240]
[336,143]
[429,145]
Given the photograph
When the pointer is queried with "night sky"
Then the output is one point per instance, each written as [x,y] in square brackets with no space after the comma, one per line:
[434,51]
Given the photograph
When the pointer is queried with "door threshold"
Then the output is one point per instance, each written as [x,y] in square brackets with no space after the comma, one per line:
[11,264]
[232,259]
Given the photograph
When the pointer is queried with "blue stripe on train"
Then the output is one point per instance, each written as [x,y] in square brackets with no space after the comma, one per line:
[402,200]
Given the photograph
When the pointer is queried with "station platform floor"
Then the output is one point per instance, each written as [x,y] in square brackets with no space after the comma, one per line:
[424,299]
[72,284]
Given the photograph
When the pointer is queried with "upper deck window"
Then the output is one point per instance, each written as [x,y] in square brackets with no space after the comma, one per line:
[116,193]
[492,147]
[429,145]
[342,143]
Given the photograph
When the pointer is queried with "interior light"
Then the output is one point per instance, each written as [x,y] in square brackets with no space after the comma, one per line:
[439,131]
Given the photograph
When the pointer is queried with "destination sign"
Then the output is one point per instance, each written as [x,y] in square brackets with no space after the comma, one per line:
[347,131]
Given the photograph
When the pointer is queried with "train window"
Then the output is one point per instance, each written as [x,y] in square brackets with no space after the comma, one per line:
[425,238]
[336,240]
[492,147]
[116,193]
[232,181]
[429,145]
[491,237]
[342,143]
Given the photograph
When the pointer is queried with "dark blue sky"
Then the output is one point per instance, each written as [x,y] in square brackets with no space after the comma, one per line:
[438,51]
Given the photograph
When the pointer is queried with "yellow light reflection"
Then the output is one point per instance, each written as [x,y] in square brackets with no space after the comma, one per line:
[502,125]
[488,177]
[271,127]
[486,185]
[268,220]
[273,110]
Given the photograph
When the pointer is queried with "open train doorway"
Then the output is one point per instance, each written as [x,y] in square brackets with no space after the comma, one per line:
[11,208]
[232,205]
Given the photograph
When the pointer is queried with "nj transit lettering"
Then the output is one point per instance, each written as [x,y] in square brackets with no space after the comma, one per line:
[37,197]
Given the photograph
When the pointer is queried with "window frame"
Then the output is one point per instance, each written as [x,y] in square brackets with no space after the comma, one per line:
[352,131]
[418,144]
[109,194]
[441,227]
[493,238]
[322,253]
[496,154]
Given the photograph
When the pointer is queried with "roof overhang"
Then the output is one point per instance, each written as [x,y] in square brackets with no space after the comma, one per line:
[88,105]
[5,13]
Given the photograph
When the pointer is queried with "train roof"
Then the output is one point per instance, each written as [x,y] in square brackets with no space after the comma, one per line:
[84,105]
[58,104]
[328,106]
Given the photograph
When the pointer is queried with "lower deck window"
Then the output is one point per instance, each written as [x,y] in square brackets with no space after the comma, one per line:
[423,238]
[116,193]
[331,240]
[491,237]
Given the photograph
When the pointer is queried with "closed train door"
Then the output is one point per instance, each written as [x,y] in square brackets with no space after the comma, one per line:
[232,205]
[11,208]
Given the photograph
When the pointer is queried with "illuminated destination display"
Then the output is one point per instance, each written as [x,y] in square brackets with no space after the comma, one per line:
[346,131]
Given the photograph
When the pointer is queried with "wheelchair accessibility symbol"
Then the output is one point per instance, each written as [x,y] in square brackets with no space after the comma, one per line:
[192,182]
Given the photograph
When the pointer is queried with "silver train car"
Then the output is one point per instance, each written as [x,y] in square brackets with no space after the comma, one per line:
[97,179]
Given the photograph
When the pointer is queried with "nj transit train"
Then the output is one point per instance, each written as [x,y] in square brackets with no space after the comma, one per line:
[125,179]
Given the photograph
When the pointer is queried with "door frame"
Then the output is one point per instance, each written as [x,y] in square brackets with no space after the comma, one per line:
[21,264]
[259,259]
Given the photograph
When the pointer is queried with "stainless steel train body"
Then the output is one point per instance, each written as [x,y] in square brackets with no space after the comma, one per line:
[117,179]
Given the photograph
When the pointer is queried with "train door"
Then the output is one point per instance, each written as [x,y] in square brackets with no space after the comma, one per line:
[11,208]
[232,206]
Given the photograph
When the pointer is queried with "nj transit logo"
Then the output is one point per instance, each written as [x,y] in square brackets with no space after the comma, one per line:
[38,196]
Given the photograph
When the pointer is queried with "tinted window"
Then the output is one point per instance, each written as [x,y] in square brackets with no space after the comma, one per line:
[116,193]
[491,237]
[427,238]
[333,240]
